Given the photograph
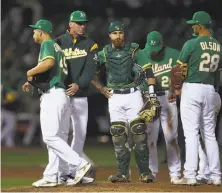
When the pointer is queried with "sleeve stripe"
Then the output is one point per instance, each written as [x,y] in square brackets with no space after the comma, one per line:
[220,69]
[179,62]
[47,58]
[95,46]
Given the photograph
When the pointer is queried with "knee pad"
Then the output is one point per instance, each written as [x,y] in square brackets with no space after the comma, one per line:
[137,127]
[118,128]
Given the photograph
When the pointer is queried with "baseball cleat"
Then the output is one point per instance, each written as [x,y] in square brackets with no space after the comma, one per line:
[216,182]
[119,178]
[186,181]
[174,179]
[202,181]
[80,173]
[147,178]
[44,183]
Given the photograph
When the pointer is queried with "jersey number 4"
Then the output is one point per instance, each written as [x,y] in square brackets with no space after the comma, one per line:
[63,65]
[210,63]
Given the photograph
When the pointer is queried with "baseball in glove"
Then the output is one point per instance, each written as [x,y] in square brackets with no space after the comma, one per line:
[150,110]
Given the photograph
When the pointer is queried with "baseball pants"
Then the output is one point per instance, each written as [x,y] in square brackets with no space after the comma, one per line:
[197,100]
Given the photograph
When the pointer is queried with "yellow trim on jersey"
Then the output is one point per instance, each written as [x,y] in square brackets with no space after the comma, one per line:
[74,40]
[47,58]
[179,62]
[95,46]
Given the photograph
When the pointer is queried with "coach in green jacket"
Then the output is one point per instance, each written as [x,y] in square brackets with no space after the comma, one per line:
[81,57]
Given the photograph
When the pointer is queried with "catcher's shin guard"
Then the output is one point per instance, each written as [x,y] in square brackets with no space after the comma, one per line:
[138,129]
[119,137]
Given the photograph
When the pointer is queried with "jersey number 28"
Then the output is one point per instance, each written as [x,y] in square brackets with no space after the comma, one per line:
[210,63]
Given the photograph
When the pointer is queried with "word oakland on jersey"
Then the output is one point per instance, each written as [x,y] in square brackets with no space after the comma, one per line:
[58,74]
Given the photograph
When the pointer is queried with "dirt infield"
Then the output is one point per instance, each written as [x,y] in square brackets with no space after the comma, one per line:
[102,184]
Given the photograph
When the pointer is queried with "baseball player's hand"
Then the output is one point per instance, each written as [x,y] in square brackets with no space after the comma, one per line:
[171,97]
[26,87]
[106,92]
[30,78]
[73,88]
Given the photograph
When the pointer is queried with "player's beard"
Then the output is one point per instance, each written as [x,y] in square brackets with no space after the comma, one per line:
[118,43]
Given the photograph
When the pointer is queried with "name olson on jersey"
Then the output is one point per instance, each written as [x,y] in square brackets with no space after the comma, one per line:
[70,53]
[210,46]
[162,68]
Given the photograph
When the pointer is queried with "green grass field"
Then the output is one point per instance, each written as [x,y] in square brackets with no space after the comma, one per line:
[102,155]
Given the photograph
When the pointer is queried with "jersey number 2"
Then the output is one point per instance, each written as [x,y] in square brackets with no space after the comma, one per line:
[165,81]
[63,65]
[210,63]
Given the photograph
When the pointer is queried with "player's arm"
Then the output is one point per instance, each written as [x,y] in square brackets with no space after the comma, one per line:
[179,71]
[89,67]
[47,61]
[96,82]
[149,76]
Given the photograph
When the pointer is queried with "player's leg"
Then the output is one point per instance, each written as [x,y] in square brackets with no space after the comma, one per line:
[169,122]
[79,119]
[203,172]
[54,106]
[191,100]
[152,137]
[133,104]
[211,145]
[119,138]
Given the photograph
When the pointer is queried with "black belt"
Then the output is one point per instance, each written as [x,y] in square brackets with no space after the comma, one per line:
[160,93]
[125,91]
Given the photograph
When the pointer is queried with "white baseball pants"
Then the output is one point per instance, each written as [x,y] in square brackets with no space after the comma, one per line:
[54,118]
[169,122]
[197,100]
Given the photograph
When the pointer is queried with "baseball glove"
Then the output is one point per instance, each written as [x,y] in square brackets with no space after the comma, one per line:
[178,74]
[150,110]
[41,82]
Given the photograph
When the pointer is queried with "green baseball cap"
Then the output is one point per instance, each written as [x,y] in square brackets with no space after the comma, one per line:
[154,41]
[200,17]
[78,16]
[43,25]
[116,26]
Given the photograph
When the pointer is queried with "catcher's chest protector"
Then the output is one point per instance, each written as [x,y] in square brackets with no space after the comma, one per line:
[119,63]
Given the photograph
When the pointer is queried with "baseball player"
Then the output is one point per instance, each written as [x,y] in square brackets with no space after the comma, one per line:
[203,172]
[49,77]
[202,56]
[81,55]
[125,102]
[162,58]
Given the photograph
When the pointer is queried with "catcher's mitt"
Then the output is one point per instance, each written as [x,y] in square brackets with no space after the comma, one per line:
[178,74]
[150,110]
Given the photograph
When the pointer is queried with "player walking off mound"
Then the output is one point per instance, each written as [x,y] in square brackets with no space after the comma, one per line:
[202,57]
[125,102]
[49,76]
[81,55]
[162,58]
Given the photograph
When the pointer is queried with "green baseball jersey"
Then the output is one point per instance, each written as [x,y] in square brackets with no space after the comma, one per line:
[161,68]
[58,73]
[202,55]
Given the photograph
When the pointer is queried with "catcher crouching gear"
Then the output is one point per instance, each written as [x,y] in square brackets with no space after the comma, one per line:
[151,108]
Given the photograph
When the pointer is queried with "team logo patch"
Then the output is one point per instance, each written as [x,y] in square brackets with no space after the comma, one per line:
[77,53]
